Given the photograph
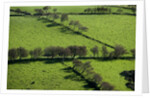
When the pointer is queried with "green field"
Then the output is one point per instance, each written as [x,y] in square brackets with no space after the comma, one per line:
[31,32]
[65,9]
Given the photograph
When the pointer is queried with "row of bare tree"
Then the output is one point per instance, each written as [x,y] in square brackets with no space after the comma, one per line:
[86,70]
[106,10]
[70,51]
[98,10]
[63,17]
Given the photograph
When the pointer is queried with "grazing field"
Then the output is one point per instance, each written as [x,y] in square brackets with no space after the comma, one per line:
[45,73]
[71,9]
[55,76]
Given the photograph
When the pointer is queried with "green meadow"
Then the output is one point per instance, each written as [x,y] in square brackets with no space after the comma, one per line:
[31,32]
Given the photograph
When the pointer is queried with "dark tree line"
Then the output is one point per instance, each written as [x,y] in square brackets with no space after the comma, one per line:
[98,10]
[70,51]
[130,77]
[78,25]
[63,17]
[15,53]
[87,71]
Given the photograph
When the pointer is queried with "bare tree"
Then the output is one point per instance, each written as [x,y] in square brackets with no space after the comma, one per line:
[39,12]
[119,51]
[120,11]
[74,50]
[97,79]
[104,51]
[22,52]
[77,63]
[64,17]
[95,50]
[46,8]
[82,51]
[54,10]
[55,16]
[12,54]
[106,86]
[36,53]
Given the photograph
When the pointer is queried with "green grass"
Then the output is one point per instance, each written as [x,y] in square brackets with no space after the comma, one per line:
[45,76]
[30,33]
[67,9]
[110,71]
[111,29]
[49,76]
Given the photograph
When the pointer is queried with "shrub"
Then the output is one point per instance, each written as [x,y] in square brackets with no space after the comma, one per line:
[106,86]
[12,54]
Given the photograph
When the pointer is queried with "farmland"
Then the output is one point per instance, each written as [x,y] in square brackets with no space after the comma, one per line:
[31,32]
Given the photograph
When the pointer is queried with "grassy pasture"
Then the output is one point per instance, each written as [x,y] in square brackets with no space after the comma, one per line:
[55,76]
[70,9]
[111,29]
[30,32]
[41,75]
[34,33]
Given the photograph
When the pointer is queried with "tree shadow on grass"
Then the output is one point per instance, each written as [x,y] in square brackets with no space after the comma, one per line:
[52,25]
[66,28]
[130,77]
[60,60]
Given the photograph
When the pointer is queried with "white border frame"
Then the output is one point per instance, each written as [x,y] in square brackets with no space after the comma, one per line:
[139,47]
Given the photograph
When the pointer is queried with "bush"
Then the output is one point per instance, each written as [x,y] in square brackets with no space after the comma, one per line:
[106,86]
[13,54]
